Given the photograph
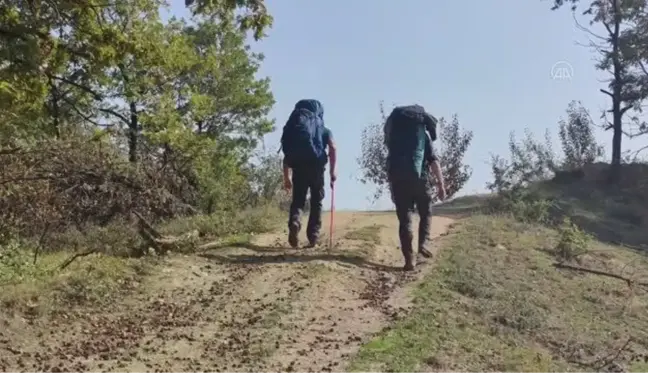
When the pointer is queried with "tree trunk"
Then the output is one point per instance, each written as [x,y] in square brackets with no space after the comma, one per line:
[133,133]
[55,110]
[617,114]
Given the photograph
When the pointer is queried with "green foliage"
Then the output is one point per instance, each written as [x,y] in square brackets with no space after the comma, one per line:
[16,263]
[572,241]
[577,138]
[530,161]
[453,144]
[218,225]
[523,205]
[266,181]
[105,110]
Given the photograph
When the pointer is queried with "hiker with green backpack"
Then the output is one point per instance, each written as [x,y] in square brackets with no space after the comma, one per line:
[409,132]
[304,142]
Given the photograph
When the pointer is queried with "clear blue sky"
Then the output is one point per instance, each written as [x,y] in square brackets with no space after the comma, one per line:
[489,62]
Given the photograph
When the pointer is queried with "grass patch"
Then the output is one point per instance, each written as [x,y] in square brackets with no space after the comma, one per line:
[495,302]
[369,233]
[43,287]
[225,224]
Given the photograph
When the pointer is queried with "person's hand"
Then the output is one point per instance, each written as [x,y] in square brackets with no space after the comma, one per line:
[333,178]
[441,192]
[287,184]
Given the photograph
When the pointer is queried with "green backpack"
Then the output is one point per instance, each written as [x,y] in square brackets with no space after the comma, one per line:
[405,132]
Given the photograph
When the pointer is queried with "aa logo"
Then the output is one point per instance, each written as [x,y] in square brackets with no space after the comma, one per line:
[562,70]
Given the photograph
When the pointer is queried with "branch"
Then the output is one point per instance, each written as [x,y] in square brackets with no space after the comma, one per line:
[636,154]
[74,257]
[623,110]
[78,111]
[152,231]
[112,112]
[95,95]
[629,281]
[585,29]
[643,67]
[606,92]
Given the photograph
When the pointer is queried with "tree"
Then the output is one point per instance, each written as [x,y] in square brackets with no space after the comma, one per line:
[577,138]
[619,54]
[54,54]
[530,161]
[93,85]
[215,109]
[454,143]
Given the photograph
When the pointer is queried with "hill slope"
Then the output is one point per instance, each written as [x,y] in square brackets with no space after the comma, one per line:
[497,297]
[241,307]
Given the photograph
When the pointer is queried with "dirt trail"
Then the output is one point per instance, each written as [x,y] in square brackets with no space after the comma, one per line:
[259,307]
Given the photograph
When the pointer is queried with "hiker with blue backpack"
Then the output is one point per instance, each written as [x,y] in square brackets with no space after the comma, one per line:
[304,142]
[409,132]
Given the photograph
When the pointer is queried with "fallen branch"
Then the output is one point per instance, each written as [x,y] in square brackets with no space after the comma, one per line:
[599,363]
[604,362]
[146,225]
[162,244]
[628,281]
[74,257]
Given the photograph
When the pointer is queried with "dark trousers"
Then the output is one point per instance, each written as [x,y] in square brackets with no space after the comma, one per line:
[408,191]
[305,179]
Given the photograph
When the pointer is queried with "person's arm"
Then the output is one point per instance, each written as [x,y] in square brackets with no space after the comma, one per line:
[435,167]
[332,154]
[286,175]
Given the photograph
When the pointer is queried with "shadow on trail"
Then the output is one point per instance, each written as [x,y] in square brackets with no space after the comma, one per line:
[276,255]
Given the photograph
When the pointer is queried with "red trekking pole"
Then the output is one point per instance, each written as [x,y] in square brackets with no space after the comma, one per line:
[332,212]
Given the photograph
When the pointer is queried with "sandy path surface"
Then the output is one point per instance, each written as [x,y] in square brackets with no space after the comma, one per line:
[256,307]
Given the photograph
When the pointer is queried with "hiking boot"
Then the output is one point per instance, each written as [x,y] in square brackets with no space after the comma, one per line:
[293,238]
[425,253]
[409,266]
[410,262]
[312,243]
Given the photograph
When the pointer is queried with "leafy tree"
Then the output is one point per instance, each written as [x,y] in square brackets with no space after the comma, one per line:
[53,52]
[176,108]
[454,143]
[214,112]
[621,51]
[577,138]
[530,161]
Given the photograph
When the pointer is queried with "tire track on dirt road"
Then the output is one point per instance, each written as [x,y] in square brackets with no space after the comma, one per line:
[257,307]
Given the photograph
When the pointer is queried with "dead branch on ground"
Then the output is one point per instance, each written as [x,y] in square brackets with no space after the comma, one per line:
[627,280]
[74,257]
[162,244]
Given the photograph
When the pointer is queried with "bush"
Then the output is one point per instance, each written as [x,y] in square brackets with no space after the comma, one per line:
[572,241]
[58,185]
[524,206]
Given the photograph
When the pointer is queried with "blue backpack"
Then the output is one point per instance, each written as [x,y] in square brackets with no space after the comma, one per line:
[302,140]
